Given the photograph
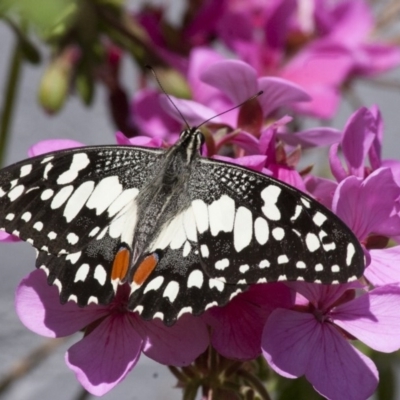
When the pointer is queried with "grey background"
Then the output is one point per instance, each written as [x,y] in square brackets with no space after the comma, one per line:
[52,379]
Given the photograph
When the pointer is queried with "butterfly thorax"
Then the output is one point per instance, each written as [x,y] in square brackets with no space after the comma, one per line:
[166,195]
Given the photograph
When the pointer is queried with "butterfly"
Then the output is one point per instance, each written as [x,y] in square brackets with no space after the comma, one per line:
[185,232]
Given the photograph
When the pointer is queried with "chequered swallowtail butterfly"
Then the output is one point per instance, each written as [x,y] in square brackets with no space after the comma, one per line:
[184,231]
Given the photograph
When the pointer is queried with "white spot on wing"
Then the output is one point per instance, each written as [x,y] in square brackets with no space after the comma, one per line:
[93,299]
[61,197]
[319,267]
[10,216]
[72,238]
[159,315]
[185,310]
[222,215]
[204,251]
[297,212]
[189,224]
[216,283]
[105,192]
[72,297]
[243,229]
[186,249]
[78,200]
[244,268]
[155,284]
[319,218]
[79,162]
[25,170]
[73,257]
[270,196]
[195,279]
[200,215]
[58,284]
[264,264]
[222,264]
[46,159]
[82,273]
[47,194]
[305,202]
[46,171]
[94,231]
[16,192]
[312,242]
[261,230]
[126,197]
[38,226]
[335,268]
[350,253]
[52,235]
[171,291]
[300,265]
[100,274]
[26,216]
[283,259]
[278,233]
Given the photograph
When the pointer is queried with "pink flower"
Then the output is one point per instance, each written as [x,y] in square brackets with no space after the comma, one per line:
[237,327]
[312,339]
[120,335]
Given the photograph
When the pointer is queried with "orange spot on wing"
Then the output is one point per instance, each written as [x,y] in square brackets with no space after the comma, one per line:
[121,264]
[145,269]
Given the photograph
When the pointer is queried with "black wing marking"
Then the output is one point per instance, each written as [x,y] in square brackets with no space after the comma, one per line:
[180,285]
[252,228]
[71,206]
[59,202]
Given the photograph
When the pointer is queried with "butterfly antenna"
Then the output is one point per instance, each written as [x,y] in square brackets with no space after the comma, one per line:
[168,97]
[232,108]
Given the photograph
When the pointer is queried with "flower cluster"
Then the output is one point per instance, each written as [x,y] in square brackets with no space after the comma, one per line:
[300,54]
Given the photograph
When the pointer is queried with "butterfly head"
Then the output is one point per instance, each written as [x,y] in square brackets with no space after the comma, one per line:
[191,139]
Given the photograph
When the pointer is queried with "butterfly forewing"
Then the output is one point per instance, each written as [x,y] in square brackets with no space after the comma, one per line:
[252,228]
[60,201]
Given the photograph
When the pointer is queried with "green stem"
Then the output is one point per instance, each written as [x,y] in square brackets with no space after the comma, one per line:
[255,383]
[9,98]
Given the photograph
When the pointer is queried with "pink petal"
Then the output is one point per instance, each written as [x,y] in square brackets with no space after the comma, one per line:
[358,136]
[322,295]
[199,60]
[195,113]
[237,327]
[373,318]
[177,345]
[243,139]
[337,370]
[103,358]
[225,76]
[47,146]
[315,137]
[144,141]
[362,207]
[150,117]
[321,189]
[255,162]
[279,92]
[289,341]
[384,268]
[39,309]
[296,344]
[336,164]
